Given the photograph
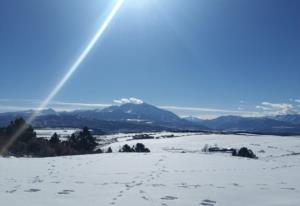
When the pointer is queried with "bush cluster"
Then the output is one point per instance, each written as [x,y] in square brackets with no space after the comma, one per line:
[243,152]
[139,147]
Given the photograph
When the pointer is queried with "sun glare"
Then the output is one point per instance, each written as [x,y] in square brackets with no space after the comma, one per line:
[70,72]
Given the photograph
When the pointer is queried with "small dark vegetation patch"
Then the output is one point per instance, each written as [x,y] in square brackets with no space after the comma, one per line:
[139,147]
[245,152]
[142,136]
[242,152]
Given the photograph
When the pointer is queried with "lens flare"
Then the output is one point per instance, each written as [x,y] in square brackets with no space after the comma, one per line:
[67,76]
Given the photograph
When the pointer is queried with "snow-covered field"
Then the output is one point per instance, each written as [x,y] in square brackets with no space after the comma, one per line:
[175,173]
[47,133]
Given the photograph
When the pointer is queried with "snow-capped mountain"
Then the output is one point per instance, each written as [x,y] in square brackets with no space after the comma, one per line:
[291,118]
[145,117]
[140,112]
[125,117]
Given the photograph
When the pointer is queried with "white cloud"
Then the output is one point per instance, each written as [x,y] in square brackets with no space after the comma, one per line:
[208,112]
[76,104]
[131,100]
[263,109]
[297,100]
[275,108]
[6,108]
[278,106]
[199,109]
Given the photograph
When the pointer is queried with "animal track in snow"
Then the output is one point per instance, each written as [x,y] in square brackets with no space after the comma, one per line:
[208,202]
[65,192]
[169,198]
[32,190]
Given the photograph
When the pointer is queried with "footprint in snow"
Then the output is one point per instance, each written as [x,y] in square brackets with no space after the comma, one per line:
[65,192]
[288,188]
[208,202]
[15,188]
[169,198]
[33,190]
[264,188]
[37,179]
[11,191]
[236,185]
[145,198]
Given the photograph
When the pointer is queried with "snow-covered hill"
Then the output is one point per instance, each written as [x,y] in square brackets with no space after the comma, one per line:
[175,173]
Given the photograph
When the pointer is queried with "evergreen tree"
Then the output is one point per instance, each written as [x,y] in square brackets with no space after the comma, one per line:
[54,139]
[83,141]
[20,125]
[126,148]
[109,150]
[141,148]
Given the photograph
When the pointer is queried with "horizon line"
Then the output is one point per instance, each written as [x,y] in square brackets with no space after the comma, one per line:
[210,113]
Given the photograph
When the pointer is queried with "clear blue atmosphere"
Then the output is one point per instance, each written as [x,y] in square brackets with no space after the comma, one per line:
[195,57]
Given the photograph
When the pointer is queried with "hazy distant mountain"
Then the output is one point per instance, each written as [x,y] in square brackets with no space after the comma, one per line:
[126,117]
[194,119]
[131,112]
[145,117]
[140,113]
[284,124]
[291,118]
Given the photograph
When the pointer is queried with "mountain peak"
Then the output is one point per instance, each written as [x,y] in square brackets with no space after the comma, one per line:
[48,111]
[129,111]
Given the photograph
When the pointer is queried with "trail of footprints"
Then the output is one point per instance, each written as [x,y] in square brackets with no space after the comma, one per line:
[147,179]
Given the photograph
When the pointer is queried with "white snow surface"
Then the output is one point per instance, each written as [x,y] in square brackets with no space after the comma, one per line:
[175,173]
[47,133]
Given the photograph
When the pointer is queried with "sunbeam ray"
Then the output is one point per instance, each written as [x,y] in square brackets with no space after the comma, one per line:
[67,76]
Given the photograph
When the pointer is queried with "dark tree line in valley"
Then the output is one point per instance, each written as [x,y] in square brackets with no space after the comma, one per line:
[27,144]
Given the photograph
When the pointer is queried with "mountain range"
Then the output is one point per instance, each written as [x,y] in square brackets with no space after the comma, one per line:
[124,118]
[282,124]
[145,118]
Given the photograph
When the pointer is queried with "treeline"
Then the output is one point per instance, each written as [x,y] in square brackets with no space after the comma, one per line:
[27,143]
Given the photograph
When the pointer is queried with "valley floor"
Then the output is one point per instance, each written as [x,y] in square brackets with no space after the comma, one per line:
[176,172]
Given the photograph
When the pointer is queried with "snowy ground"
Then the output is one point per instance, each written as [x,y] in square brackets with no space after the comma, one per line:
[175,173]
[47,133]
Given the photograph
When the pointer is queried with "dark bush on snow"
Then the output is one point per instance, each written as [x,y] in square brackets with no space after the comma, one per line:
[142,136]
[126,148]
[109,150]
[139,147]
[245,152]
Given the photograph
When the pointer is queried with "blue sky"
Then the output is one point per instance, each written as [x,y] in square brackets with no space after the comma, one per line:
[196,57]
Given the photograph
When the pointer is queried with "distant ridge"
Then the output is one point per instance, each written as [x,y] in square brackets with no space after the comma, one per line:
[128,117]
[282,125]
[131,117]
